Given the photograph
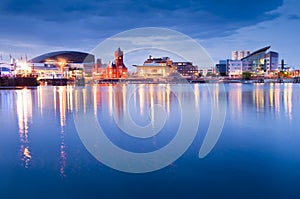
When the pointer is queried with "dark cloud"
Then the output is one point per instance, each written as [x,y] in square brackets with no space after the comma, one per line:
[73,22]
[294,17]
[229,10]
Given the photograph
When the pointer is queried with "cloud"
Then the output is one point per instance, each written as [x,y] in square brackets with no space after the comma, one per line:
[211,13]
[84,23]
[281,33]
[293,17]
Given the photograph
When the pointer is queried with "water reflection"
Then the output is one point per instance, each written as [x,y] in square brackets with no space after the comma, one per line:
[117,98]
[24,113]
[63,93]
[287,99]
[270,98]
[139,100]
[235,96]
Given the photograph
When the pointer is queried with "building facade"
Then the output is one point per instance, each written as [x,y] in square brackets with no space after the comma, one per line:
[155,67]
[221,68]
[257,60]
[71,64]
[235,68]
[238,55]
[209,71]
[116,69]
[271,62]
[186,69]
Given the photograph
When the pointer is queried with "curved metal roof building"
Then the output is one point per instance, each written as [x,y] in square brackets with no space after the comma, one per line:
[67,56]
[260,51]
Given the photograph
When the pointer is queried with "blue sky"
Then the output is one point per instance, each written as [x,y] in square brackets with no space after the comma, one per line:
[34,27]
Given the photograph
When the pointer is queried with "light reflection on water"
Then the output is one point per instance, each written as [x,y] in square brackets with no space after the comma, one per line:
[273,98]
[24,113]
[65,100]
[250,108]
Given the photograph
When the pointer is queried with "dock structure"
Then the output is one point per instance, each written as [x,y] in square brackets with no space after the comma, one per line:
[53,81]
[18,81]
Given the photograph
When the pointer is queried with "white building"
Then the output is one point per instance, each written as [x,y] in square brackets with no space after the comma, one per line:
[238,55]
[207,71]
[235,68]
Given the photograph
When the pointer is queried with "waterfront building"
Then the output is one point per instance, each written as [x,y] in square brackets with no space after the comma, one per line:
[296,73]
[209,71]
[4,71]
[221,68]
[257,60]
[235,68]
[116,69]
[71,64]
[186,69]
[99,71]
[260,63]
[155,67]
[246,66]
[271,62]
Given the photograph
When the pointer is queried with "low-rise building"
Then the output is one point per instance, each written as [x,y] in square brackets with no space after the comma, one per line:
[209,71]
[186,69]
[70,64]
[221,68]
[155,67]
[235,68]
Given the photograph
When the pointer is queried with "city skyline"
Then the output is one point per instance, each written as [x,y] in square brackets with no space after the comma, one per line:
[35,27]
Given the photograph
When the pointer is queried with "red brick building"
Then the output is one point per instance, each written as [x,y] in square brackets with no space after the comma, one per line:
[117,69]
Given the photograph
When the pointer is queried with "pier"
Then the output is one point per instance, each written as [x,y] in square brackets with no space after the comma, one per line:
[18,81]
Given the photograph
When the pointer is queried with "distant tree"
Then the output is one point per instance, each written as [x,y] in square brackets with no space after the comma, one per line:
[210,74]
[246,75]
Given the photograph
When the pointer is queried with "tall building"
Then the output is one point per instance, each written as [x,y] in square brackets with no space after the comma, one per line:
[234,55]
[118,68]
[238,55]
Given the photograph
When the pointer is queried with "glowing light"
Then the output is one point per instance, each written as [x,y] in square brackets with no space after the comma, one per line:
[23,68]
[24,114]
[26,153]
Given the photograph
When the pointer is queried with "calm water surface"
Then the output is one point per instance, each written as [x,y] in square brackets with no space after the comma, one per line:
[256,156]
